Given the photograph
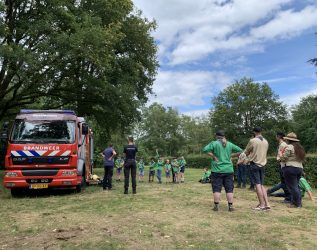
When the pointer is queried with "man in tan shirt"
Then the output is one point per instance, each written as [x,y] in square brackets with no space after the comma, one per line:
[256,151]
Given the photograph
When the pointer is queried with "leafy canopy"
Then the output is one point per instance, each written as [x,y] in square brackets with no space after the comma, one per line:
[247,104]
[97,57]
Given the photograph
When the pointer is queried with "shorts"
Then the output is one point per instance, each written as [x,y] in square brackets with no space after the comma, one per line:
[257,174]
[182,170]
[152,173]
[220,179]
[119,170]
[168,174]
[141,172]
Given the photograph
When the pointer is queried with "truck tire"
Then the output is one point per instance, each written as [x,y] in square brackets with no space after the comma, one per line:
[82,185]
[17,192]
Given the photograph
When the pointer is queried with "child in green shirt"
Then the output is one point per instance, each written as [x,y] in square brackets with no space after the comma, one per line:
[141,170]
[152,170]
[305,187]
[168,167]
[119,165]
[206,176]
[182,165]
[159,168]
[175,167]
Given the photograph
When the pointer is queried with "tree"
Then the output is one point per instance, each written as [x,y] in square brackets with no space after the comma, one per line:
[96,57]
[305,120]
[244,105]
[160,128]
[197,132]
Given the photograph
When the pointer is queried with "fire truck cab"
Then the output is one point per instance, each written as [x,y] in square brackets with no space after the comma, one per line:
[48,149]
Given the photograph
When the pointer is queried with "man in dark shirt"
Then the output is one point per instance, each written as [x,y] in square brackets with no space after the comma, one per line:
[130,151]
[108,154]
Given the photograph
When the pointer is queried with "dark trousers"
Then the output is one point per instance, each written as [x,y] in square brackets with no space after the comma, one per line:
[284,187]
[242,175]
[292,176]
[129,166]
[248,174]
[107,179]
[280,185]
[159,175]
[173,175]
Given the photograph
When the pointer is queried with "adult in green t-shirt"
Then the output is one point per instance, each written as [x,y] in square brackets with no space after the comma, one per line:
[221,152]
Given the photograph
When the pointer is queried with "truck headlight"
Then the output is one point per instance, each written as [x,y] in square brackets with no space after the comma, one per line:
[11,174]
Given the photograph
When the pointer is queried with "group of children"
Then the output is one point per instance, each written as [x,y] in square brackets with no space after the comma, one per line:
[174,170]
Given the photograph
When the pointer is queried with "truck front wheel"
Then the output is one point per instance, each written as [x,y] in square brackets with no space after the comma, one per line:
[17,192]
[82,184]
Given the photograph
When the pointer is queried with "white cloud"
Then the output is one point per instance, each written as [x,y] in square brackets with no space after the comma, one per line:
[279,80]
[227,31]
[197,113]
[187,88]
[189,31]
[287,24]
[294,99]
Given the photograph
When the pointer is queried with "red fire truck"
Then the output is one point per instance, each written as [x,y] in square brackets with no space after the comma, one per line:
[48,149]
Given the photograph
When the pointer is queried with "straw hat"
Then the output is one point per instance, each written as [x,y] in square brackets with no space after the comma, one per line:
[291,137]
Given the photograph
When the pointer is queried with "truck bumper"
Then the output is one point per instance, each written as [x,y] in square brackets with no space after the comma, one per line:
[58,181]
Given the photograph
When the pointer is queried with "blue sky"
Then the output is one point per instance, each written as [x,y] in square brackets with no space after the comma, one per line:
[205,45]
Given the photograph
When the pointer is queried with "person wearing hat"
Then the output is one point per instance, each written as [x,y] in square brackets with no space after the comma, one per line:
[222,171]
[256,151]
[293,156]
[130,152]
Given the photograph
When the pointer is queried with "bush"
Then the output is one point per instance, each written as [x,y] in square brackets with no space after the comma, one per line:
[198,161]
[271,170]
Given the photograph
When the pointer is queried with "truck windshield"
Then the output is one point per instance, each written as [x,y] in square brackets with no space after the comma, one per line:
[43,132]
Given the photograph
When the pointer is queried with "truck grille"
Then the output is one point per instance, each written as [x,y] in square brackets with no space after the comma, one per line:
[39,172]
[22,160]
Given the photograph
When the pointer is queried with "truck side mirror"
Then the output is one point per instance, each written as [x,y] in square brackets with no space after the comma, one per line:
[4,132]
[85,129]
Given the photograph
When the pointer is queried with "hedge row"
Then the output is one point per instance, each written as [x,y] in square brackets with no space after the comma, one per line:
[271,170]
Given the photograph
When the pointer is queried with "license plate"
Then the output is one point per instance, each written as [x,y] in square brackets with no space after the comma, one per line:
[38,186]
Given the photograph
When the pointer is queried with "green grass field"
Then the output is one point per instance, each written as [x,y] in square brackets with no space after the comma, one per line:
[166,216]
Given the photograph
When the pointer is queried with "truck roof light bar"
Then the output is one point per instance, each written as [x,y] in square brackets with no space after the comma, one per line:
[30,111]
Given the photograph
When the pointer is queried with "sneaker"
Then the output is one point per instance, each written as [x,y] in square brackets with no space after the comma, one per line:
[134,192]
[125,191]
[216,208]
[238,186]
[230,208]
[258,208]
